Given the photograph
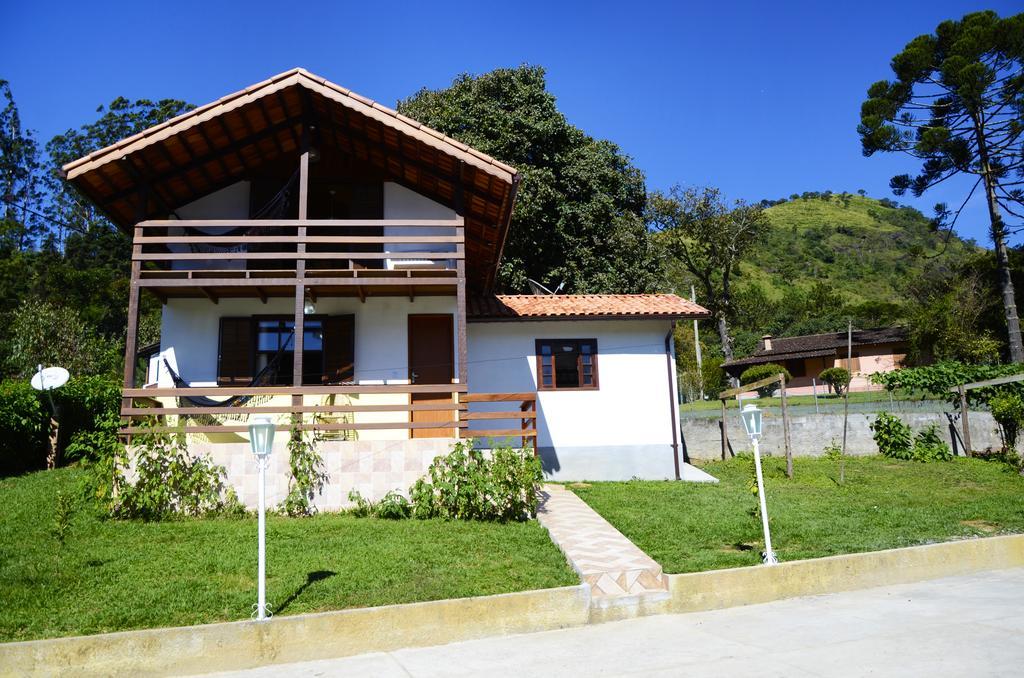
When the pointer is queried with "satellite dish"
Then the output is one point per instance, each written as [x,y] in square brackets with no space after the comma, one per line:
[50,378]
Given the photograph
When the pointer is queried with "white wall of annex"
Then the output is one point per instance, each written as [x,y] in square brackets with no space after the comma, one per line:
[191,327]
[631,407]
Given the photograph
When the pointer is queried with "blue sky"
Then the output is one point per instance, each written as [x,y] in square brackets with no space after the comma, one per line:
[759,98]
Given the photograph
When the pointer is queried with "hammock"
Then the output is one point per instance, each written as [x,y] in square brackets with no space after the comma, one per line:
[261,379]
[274,209]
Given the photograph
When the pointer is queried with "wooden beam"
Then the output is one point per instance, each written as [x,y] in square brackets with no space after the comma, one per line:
[753,386]
[320,390]
[209,295]
[998,381]
[300,264]
[283,409]
[460,317]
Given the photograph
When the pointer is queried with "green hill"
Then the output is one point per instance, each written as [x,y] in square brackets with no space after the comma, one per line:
[865,249]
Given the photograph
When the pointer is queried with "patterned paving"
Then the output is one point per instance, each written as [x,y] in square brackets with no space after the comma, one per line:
[603,557]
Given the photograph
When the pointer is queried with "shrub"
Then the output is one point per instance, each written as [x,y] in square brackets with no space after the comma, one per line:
[892,436]
[759,372]
[467,485]
[168,481]
[928,446]
[895,440]
[393,506]
[43,332]
[22,428]
[837,378]
[1008,411]
[87,404]
[307,473]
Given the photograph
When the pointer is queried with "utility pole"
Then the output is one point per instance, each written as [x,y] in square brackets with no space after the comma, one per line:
[696,343]
[846,398]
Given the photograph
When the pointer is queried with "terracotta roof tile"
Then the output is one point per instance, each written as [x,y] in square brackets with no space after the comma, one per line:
[529,306]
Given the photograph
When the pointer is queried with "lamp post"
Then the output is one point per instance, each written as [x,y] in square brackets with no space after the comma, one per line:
[752,423]
[261,438]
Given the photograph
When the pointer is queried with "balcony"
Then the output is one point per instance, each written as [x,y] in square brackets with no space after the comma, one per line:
[345,413]
[269,258]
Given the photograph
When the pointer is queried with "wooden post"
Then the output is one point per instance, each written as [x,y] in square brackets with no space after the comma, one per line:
[300,267]
[965,422]
[725,431]
[131,341]
[785,426]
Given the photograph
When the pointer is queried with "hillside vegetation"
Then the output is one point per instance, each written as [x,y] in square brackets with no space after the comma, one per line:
[864,249]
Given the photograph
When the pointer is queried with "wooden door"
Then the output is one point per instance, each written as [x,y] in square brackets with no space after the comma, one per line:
[431,361]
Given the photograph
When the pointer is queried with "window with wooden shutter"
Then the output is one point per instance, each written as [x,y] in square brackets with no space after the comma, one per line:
[234,362]
[339,349]
[566,364]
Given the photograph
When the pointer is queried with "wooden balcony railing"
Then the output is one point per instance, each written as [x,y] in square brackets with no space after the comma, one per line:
[280,247]
[330,409]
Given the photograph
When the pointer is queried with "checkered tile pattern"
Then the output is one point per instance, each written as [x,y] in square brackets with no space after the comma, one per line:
[603,557]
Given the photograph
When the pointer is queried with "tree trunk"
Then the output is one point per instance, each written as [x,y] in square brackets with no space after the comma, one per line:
[998,233]
[723,335]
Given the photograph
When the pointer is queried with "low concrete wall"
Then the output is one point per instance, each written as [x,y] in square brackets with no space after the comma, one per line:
[810,433]
[240,645]
[761,584]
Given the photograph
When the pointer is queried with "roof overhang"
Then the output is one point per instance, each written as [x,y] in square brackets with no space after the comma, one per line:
[218,144]
[525,307]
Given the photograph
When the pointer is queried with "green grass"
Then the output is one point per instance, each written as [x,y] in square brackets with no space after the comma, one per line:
[114,575]
[823,399]
[689,527]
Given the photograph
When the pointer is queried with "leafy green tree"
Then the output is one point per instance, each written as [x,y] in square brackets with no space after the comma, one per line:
[44,332]
[709,237]
[69,212]
[20,179]
[578,214]
[957,104]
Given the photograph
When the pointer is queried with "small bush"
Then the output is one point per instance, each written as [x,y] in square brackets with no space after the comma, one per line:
[393,506]
[833,451]
[837,379]
[22,428]
[1008,411]
[928,446]
[892,436]
[168,482]
[467,485]
[895,440]
[759,372]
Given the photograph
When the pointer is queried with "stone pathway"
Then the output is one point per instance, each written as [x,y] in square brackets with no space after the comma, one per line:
[603,557]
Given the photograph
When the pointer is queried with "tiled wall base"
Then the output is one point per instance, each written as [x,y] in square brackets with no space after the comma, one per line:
[373,467]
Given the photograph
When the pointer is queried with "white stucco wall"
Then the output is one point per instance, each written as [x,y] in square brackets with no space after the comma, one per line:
[192,328]
[231,202]
[402,203]
[621,430]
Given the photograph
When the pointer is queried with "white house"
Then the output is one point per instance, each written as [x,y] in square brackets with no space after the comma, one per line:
[329,262]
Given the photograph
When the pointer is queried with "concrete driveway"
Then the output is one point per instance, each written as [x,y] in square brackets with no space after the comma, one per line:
[960,626]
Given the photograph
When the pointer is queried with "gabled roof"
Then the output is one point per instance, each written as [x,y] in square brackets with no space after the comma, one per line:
[816,345]
[592,306]
[217,144]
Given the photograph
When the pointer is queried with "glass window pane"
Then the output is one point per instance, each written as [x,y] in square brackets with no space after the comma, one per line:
[566,373]
[545,349]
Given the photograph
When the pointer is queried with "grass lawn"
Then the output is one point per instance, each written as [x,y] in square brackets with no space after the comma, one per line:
[884,504]
[113,576]
[824,398]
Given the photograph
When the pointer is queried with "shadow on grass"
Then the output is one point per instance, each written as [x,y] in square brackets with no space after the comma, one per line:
[311,578]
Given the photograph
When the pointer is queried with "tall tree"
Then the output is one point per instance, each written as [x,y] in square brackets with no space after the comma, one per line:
[20,178]
[709,237]
[578,217]
[957,104]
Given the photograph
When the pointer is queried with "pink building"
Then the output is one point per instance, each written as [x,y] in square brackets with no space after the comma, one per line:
[878,350]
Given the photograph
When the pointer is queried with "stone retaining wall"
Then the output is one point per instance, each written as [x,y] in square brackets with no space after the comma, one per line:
[810,433]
